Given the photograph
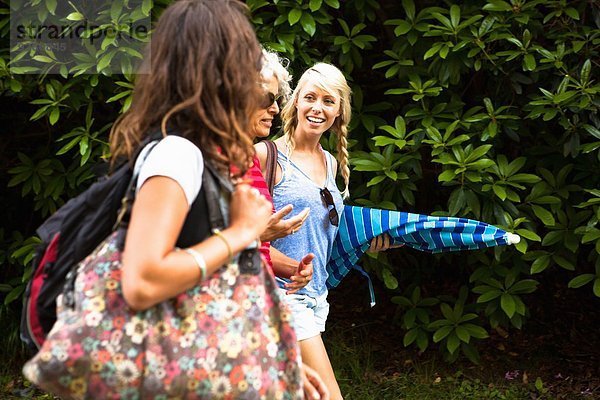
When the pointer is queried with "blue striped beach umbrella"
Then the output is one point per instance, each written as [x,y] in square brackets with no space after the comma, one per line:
[359,225]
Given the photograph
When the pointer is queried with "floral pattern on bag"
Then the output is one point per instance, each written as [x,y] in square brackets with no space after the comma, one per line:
[228,338]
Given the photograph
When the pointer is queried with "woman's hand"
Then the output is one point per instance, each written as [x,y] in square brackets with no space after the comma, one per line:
[382,243]
[313,385]
[279,227]
[249,212]
[302,276]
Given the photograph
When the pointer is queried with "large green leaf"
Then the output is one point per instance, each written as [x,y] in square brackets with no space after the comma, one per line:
[294,16]
[544,215]
[581,280]
[507,302]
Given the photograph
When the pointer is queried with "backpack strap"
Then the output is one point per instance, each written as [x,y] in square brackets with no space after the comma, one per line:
[217,191]
[271,166]
[127,201]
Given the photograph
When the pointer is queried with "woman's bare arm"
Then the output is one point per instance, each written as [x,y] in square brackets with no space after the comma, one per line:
[153,270]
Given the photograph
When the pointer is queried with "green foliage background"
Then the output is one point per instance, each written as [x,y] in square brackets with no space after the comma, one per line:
[479,109]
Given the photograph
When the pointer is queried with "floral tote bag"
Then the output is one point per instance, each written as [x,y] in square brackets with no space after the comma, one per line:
[229,338]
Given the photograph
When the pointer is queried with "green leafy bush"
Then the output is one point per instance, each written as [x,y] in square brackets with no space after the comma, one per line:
[479,109]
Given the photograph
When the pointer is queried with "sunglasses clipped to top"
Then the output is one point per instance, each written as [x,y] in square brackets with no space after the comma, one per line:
[334,218]
[270,98]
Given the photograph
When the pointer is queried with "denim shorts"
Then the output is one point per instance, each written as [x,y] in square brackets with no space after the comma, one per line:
[309,313]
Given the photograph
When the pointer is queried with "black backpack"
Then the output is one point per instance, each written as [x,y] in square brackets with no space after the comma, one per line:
[67,237]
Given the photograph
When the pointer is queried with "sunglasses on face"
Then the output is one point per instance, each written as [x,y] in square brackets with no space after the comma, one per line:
[268,100]
[328,199]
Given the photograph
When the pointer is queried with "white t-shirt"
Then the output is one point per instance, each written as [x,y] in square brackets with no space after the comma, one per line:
[177,158]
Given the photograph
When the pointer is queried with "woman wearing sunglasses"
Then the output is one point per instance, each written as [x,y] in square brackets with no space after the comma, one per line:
[305,178]
[275,83]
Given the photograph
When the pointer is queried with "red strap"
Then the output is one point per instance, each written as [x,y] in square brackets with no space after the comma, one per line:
[36,331]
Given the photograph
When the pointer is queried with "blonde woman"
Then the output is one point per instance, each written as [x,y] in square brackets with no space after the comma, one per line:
[305,178]
[276,88]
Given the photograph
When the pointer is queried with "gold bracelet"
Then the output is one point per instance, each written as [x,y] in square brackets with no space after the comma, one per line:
[200,262]
[220,235]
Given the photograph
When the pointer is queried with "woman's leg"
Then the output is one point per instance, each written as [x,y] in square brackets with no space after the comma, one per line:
[310,316]
[315,356]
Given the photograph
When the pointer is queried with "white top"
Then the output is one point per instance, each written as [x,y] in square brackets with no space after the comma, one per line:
[177,158]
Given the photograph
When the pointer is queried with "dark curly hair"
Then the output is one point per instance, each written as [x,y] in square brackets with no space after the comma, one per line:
[203,65]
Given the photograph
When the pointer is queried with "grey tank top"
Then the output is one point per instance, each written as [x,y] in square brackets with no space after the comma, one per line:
[317,233]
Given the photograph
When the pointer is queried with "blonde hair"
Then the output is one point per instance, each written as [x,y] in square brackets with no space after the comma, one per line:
[276,66]
[332,80]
